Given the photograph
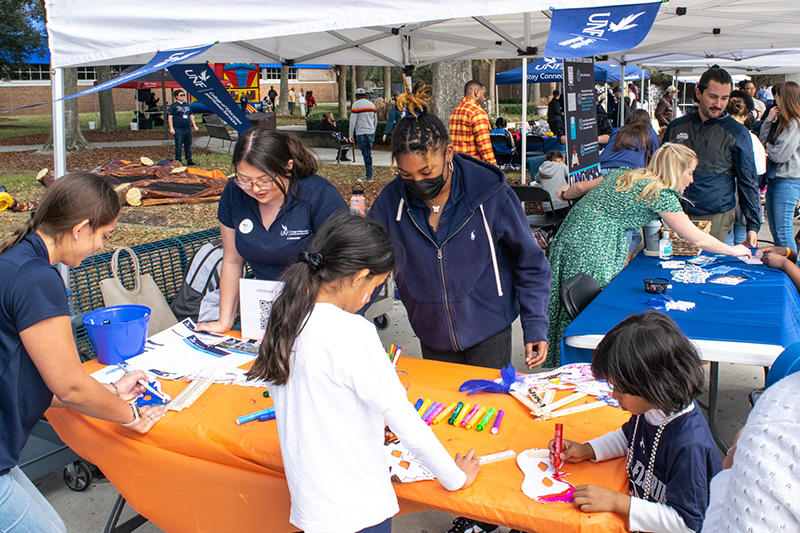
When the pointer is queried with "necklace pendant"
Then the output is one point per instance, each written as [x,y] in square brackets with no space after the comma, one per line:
[435,208]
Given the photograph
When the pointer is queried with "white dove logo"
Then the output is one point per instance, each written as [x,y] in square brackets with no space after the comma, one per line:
[625,23]
[284,231]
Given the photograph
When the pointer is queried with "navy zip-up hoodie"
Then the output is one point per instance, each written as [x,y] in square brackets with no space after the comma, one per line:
[724,160]
[488,270]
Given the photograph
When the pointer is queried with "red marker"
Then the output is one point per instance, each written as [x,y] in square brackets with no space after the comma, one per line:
[557,445]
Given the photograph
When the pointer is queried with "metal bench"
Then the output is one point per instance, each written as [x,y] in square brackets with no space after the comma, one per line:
[219,131]
[323,139]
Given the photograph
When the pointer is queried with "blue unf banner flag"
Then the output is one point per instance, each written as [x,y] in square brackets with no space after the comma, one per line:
[203,84]
[598,30]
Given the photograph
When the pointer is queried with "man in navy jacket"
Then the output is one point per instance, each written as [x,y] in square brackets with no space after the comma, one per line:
[725,160]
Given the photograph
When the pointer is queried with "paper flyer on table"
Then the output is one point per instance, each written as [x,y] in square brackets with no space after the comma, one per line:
[255,300]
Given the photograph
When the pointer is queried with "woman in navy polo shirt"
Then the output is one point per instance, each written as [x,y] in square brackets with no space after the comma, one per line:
[268,212]
[39,364]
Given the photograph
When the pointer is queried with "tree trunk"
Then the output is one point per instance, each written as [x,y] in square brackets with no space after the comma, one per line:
[283,94]
[108,117]
[72,125]
[387,83]
[449,78]
[490,89]
[361,77]
[352,83]
[536,93]
[341,74]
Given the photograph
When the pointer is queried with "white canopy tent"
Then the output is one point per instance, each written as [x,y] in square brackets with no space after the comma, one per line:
[375,32]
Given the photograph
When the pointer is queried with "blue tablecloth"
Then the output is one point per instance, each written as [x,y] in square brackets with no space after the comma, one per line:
[764,309]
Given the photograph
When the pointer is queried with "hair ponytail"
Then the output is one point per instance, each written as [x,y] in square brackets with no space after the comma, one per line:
[67,202]
[344,246]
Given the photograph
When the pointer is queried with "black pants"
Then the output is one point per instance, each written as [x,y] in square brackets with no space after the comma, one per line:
[494,352]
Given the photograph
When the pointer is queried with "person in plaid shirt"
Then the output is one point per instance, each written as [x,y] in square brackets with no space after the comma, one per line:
[469,124]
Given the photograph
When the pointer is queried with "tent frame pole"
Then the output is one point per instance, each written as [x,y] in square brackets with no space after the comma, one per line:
[523,179]
[59,130]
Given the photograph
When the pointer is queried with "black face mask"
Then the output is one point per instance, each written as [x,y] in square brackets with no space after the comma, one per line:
[426,189]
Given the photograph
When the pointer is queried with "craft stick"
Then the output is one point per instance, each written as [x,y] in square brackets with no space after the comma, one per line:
[548,396]
[572,410]
[565,401]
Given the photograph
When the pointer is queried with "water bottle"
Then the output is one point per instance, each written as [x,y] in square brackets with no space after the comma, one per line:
[665,247]
[357,202]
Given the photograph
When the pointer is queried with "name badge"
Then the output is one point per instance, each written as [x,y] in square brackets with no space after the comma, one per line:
[246,226]
[185,117]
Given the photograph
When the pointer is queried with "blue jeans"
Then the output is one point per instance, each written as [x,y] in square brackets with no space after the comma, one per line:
[365,146]
[782,196]
[23,509]
[383,527]
[183,137]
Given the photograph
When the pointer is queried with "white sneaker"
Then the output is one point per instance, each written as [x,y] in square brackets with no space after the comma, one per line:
[365,178]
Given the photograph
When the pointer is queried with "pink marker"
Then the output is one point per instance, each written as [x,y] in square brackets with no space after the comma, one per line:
[497,422]
[435,413]
[470,415]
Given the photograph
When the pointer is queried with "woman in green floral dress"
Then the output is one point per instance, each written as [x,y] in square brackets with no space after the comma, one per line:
[592,238]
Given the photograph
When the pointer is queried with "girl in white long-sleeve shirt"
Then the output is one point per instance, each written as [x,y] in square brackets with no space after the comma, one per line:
[671,456]
[333,386]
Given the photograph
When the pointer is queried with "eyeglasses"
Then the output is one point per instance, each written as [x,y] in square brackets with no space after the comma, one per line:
[179,95]
[264,184]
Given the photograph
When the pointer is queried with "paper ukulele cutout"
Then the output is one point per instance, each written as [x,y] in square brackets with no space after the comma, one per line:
[403,466]
[540,482]
[147,398]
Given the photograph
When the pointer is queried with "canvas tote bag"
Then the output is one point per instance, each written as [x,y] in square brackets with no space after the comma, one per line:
[145,292]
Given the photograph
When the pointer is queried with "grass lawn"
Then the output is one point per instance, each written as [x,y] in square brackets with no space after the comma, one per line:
[35,124]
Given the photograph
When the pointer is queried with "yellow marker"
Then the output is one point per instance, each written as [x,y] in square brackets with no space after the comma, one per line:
[477,418]
[424,407]
[460,417]
[444,414]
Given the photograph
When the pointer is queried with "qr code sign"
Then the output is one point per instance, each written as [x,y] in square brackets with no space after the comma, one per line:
[265,307]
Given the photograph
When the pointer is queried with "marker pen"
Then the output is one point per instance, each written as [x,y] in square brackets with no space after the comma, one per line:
[268,416]
[469,416]
[486,419]
[557,447]
[418,404]
[497,422]
[460,417]
[434,414]
[253,416]
[477,418]
[424,406]
[456,412]
[429,410]
[447,411]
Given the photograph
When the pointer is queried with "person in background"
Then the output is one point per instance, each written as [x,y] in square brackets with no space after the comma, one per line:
[759,107]
[39,363]
[273,97]
[783,150]
[592,239]
[363,123]
[604,127]
[614,102]
[555,115]
[671,456]
[665,110]
[316,348]
[763,94]
[310,102]
[469,124]
[393,119]
[268,212]
[726,165]
[181,124]
[633,96]
[552,175]
[632,145]
[740,106]
[291,100]
[301,101]
[468,263]
[329,124]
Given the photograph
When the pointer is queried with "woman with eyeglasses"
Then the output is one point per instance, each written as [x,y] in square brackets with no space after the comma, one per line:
[268,212]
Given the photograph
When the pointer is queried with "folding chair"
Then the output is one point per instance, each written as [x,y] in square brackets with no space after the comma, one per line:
[577,293]
[534,145]
[536,194]
[504,150]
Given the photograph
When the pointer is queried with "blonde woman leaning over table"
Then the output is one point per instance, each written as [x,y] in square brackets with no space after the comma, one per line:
[39,363]
[592,238]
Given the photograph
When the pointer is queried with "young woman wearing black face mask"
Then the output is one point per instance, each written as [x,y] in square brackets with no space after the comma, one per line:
[467,263]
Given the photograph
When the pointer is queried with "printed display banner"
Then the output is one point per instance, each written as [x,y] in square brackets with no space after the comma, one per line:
[599,30]
[159,61]
[580,116]
[206,87]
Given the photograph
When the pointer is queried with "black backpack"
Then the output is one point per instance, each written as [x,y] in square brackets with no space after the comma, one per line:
[198,298]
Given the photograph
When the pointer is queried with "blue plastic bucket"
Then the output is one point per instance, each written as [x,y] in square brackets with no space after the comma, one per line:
[117,333]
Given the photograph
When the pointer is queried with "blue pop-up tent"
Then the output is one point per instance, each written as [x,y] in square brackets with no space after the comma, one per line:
[543,70]
[632,72]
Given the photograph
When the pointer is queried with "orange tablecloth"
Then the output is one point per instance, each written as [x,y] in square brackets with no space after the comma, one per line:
[197,471]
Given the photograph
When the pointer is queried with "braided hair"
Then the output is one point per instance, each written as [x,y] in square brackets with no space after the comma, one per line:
[419,131]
